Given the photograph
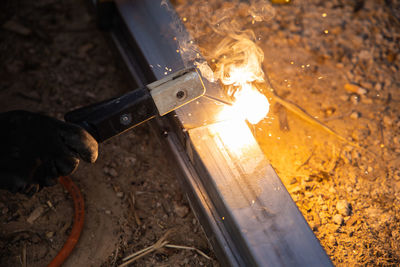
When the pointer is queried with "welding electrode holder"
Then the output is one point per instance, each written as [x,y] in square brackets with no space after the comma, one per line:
[111,117]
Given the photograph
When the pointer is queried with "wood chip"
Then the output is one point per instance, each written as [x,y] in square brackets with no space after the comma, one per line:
[36,213]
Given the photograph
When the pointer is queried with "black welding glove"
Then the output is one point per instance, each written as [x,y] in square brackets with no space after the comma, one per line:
[36,149]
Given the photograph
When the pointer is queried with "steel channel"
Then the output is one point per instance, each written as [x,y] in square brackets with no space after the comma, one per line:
[265,228]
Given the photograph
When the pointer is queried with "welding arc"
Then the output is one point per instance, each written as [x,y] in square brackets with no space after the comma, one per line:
[79,216]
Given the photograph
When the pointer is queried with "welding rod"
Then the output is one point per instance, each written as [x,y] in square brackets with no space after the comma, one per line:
[218,100]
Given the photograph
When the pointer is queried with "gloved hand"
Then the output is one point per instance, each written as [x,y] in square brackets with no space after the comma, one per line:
[36,149]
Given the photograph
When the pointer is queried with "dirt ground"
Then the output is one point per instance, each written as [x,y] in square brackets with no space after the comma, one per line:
[339,61]
[53,59]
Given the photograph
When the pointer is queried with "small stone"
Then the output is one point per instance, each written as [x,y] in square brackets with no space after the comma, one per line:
[373,213]
[90,95]
[339,65]
[120,194]
[354,98]
[329,111]
[344,97]
[332,190]
[355,115]
[110,171]
[130,160]
[367,100]
[312,225]
[387,120]
[353,88]
[378,86]
[343,207]
[349,189]
[108,212]
[181,210]
[355,155]
[365,55]
[370,169]
[338,219]
[49,234]
[396,140]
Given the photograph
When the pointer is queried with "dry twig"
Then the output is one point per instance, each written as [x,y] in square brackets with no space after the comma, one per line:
[301,113]
[137,255]
[159,244]
[115,255]
[189,248]
[133,202]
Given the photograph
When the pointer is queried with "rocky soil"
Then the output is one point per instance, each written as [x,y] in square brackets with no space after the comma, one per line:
[339,61]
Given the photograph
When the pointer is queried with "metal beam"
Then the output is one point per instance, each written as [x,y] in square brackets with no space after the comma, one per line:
[246,212]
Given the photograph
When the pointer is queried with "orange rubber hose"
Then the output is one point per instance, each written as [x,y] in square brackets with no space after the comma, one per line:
[79,216]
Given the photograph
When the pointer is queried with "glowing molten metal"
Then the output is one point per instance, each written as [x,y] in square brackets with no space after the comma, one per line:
[238,67]
[249,103]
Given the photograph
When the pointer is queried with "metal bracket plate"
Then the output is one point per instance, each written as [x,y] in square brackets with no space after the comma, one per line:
[176,90]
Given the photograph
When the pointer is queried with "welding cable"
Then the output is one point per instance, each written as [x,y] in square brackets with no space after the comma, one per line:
[79,216]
